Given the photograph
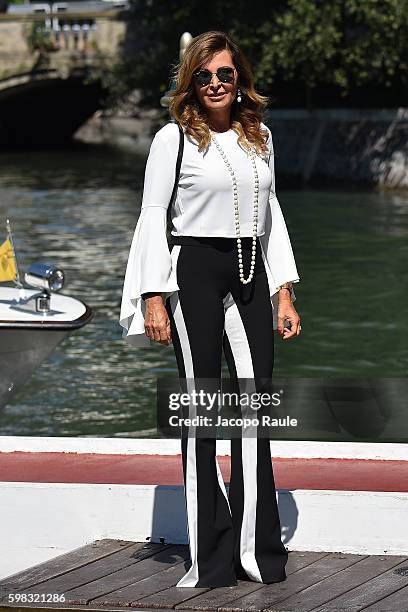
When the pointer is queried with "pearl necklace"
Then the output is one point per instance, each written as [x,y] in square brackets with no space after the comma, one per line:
[243,280]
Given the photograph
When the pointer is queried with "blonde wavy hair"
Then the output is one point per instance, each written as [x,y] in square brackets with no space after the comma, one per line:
[185,107]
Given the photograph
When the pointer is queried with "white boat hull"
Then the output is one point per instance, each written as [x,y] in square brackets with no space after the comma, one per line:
[28,338]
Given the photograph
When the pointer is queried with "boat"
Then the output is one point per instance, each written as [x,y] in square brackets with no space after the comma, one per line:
[34,318]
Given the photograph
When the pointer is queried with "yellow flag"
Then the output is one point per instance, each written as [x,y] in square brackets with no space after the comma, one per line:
[8,269]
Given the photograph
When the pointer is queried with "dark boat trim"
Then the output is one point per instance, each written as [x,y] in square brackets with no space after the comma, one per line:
[51,325]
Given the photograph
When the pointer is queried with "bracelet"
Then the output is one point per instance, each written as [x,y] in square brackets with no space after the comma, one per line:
[287,285]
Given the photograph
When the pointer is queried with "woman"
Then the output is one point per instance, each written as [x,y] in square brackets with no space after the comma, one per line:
[224,282]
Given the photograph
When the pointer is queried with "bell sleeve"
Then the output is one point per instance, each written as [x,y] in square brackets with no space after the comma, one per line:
[276,246]
[150,266]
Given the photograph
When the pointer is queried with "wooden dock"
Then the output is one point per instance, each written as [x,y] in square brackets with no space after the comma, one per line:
[121,575]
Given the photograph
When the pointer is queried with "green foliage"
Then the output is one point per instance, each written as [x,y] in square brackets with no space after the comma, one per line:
[375,41]
[342,43]
[38,39]
[300,41]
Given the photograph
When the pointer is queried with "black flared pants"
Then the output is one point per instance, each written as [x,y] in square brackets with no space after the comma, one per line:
[236,535]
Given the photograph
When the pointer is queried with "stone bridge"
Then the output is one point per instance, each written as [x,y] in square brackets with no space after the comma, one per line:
[50,62]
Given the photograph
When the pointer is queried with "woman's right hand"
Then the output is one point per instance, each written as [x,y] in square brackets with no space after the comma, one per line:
[157,322]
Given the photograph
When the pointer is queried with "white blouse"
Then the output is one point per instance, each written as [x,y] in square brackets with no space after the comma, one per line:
[203,207]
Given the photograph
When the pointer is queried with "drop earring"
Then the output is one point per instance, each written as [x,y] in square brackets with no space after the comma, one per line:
[239,98]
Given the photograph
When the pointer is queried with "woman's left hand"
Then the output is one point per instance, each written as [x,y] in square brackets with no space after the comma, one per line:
[287,312]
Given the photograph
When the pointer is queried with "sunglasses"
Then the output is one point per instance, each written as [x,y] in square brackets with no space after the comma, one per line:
[203,77]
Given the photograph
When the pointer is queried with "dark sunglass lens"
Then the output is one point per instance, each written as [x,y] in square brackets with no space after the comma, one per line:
[203,77]
[225,75]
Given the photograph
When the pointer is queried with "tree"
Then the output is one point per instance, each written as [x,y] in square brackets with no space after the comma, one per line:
[311,43]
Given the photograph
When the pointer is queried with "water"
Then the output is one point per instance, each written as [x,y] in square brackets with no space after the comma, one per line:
[78,209]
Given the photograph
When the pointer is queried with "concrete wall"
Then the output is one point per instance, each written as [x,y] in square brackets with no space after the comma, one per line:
[14,53]
[362,146]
